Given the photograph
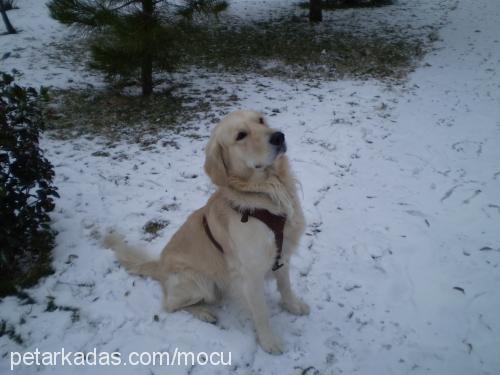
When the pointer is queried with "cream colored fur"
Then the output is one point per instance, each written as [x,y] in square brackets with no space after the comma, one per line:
[249,173]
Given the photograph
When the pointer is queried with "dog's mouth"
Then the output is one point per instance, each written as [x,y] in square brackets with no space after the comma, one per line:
[277,152]
[281,149]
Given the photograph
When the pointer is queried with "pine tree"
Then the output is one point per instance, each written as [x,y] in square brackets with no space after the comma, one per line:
[129,37]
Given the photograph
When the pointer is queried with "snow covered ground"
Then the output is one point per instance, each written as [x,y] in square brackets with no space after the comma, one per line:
[401,189]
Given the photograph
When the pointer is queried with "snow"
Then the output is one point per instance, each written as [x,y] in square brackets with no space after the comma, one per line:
[401,192]
[38,51]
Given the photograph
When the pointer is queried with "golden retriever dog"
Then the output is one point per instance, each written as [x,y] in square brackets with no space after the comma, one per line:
[247,230]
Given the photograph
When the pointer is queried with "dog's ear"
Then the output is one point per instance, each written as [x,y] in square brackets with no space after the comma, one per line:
[215,166]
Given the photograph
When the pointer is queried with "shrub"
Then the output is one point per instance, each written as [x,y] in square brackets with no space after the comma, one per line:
[26,189]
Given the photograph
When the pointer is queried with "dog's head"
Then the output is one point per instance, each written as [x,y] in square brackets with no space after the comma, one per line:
[243,145]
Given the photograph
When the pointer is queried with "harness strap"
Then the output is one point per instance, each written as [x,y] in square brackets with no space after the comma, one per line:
[210,235]
[275,223]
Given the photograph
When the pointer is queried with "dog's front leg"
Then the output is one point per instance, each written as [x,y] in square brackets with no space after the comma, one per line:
[290,301]
[253,290]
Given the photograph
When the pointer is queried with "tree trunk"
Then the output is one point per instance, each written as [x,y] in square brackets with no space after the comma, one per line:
[315,11]
[147,60]
[147,75]
[8,25]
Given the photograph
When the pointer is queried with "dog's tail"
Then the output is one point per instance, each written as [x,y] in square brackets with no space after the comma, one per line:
[131,258]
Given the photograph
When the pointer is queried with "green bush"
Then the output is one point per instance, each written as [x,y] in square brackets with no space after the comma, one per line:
[26,189]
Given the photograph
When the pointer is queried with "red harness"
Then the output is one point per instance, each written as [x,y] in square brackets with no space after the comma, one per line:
[275,223]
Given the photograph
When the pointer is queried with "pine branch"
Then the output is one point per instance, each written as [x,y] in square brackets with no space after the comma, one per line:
[202,7]
[80,12]
[128,3]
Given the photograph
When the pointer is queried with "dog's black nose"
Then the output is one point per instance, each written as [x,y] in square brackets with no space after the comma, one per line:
[277,139]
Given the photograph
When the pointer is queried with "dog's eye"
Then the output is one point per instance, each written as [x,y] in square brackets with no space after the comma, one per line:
[241,135]
[261,120]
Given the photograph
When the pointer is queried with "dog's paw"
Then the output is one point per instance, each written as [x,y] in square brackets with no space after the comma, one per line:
[296,307]
[203,313]
[271,343]
[207,316]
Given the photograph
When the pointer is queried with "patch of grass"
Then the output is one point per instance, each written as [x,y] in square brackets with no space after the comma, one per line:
[152,227]
[10,331]
[109,113]
[170,207]
[24,298]
[346,4]
[52,306]
[285,47]
[291,47]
